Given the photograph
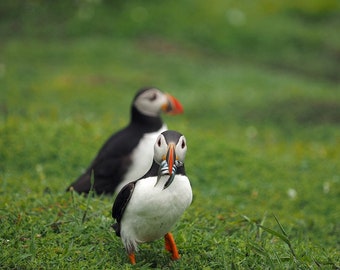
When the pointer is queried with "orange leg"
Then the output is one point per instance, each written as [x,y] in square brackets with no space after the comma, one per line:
[170,246]
[132,258]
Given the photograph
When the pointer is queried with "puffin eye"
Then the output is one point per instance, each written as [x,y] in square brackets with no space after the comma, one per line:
[159,143]
[183,144]
[153,97]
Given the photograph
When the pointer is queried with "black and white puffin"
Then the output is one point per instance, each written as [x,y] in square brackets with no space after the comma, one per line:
[127,154]
[146,209]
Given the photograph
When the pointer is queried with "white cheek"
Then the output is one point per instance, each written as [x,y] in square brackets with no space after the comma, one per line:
[181,153]
[159,152]
[149,108]
[157,157]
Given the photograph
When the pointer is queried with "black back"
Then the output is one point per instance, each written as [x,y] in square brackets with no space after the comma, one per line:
[113,159]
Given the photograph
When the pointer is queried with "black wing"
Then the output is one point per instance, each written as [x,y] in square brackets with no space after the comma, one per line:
[120,204]
[122,200]
[110,164]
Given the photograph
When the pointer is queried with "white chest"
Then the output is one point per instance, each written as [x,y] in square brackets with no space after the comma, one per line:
[141,157]
[152,210]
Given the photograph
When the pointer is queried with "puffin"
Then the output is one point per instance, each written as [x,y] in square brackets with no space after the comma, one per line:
[146,209]
[127,154]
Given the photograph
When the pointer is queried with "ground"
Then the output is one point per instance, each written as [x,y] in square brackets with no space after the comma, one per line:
[260,89]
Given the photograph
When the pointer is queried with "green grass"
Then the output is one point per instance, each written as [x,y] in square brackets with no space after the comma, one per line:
[263,136]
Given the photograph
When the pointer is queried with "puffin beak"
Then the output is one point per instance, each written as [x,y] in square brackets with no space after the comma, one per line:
[170,162]
[168,165]
[170,158]
[173,106]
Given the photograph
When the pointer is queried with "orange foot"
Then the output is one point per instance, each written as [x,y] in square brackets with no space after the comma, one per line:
[132,258]
[170,246]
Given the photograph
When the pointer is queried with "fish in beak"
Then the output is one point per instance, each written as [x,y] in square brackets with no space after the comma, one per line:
[168,166]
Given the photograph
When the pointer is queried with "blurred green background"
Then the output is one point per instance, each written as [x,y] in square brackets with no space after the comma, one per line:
[295,36]
[259,82]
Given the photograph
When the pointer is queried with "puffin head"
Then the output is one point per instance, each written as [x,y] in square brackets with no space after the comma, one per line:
[152,101]
[169,152]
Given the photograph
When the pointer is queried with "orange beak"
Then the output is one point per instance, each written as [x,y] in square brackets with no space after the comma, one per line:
[170,158]
[173,106]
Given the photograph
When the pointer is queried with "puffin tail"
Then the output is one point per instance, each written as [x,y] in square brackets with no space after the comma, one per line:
[82,184]
[116,227]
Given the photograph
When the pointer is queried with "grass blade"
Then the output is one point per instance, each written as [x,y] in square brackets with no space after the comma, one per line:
[281,228]
[275,233]
[283,236]
[88,198]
